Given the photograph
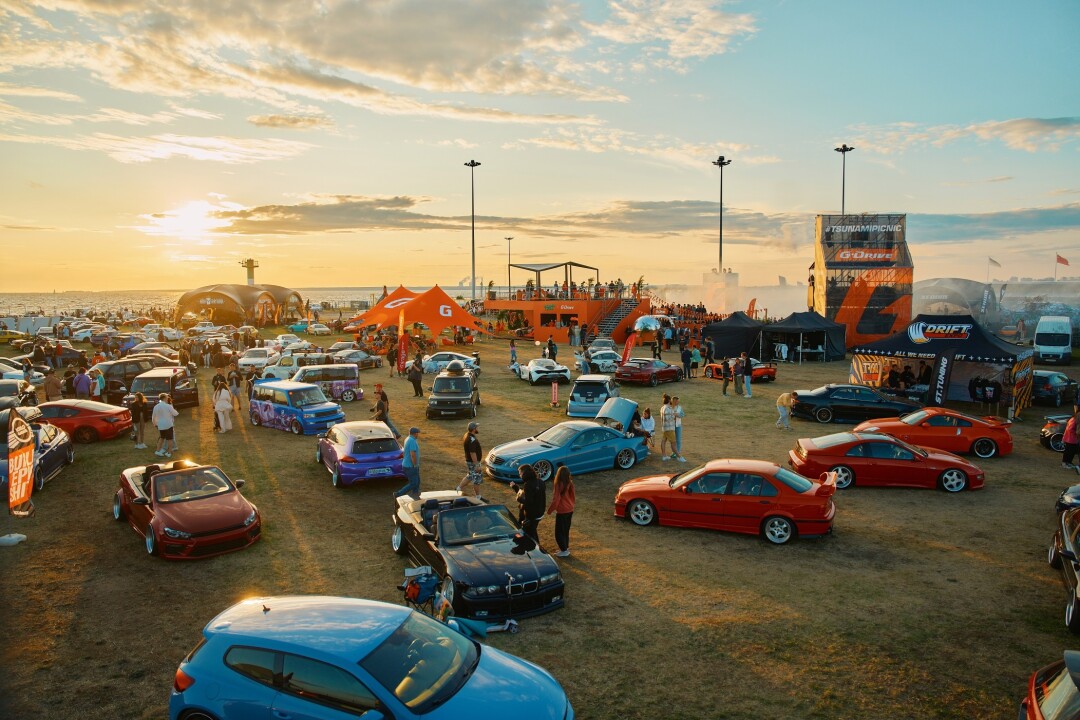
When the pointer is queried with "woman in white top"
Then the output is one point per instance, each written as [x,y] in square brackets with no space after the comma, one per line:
[648,424]
[223,406]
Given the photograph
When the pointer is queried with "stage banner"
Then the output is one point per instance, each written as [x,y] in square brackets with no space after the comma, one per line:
[631,340]
[939,378]
[20,466]
[866,370]
[403,351]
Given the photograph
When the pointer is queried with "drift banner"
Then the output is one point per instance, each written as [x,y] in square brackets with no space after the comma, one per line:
[939,378]
[402,352]
[628,347]
[20,466]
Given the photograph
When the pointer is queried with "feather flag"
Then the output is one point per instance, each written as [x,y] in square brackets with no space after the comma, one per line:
[1062,261]
[994,262]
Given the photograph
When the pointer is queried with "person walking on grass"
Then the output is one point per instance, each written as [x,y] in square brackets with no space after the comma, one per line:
[138,419]
[410,464]
[736,375]
[473,455]
[679,415]
[695,361]
[391,358]
[415,375]
[532,498]
[236,381]
[163,419]
[1072,444]
[563,498]
[667,430]
[748,374]
[783,407]
[223,406]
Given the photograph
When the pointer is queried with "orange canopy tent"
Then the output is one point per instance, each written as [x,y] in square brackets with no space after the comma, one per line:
[434,308]
[362,320]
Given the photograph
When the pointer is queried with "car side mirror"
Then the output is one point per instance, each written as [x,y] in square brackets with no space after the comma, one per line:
[239,483]
[429,536]
[140,501]
[373,714]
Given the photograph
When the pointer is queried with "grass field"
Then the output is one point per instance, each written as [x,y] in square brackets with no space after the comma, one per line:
[920,605]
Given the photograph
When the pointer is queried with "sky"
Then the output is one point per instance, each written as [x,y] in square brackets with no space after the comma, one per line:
[157,143]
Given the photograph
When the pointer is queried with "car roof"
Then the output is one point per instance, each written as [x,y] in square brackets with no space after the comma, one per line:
[286,385]
[164,371]
[347,628]
[729,464]
[592,379]
[366,429]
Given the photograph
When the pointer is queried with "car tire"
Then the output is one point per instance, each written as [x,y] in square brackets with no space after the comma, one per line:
[447,590]
[1056,442]
[625,459]
[151,541]
[397,540]
[543,469]
[953,480]
[652,380]
[845,476]
[641,512]
[777,530]
[117,507]
[1052,557]
[85,435]
[39,480]
[70,457]
[823,415]
[296,428]
[254,417]
[1072,615]
[318,454]
[1057,400]
[348,396]
[708,373]
[984,448]
[197,715]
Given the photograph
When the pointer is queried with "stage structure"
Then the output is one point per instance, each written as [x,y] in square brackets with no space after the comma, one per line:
[862,274]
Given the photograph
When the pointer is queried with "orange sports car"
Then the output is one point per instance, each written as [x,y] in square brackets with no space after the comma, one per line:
[763,372]
[944,429]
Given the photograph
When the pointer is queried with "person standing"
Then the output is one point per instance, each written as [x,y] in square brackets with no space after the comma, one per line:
[54,389]
[235,383]
[552,349]
[1072,444]
[473,455]
[532,497]
[57,356]
[648,425]
[725,373]
[710,351]
[563,498]
[138,418]
[391,358]
[382,410]
[695,361]
[736,375]
[415,375]
[679,415]
[513,352]
[411,465]
[162,418]
[684,357]
[97,386]
[667,430]
[748,374]
[783,407]
[223,406]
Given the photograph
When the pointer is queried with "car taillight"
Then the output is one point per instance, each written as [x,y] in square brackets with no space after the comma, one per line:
[112,419]
[347,458]
[182,681]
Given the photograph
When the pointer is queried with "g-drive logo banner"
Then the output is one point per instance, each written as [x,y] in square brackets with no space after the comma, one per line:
[921,332]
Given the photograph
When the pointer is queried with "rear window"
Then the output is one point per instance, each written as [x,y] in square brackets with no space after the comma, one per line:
[375,445]
[1055,339]
[828,441]
[793,480]
[150,385]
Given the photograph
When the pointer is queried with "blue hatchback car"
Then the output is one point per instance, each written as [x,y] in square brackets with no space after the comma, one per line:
[341,658]
[360,450]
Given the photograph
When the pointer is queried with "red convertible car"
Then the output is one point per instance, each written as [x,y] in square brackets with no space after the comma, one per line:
[745,496]
[947,430]
[763,372]
[184,510]
[882,460]
[648,372]
[87,421]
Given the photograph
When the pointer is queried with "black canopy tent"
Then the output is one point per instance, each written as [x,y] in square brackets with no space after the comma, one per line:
[735,334]
[568,270]
[832,335]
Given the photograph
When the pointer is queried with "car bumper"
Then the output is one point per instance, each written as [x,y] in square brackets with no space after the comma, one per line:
[583,409]
[434,411]
[522,605]
[111,430]
[503,473]
[362,472]
[313,426]
[211,545]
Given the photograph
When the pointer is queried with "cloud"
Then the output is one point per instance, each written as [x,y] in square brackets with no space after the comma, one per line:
[290,122]
[989,226]
[602,140]
[1029,134]
[230,151]
[30,91]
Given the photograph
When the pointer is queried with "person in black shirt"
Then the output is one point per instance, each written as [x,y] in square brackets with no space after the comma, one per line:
[532,497]
[924,373]
[473,455]
[907,378]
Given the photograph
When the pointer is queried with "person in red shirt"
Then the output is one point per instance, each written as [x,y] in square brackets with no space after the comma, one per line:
[562,504]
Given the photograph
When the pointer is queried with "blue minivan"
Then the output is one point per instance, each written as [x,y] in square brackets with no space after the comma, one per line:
[300,408]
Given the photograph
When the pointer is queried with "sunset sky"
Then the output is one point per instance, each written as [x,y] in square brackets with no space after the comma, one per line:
[155,144]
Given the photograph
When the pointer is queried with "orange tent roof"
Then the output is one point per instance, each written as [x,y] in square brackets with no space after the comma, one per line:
[434,308]
[379,307]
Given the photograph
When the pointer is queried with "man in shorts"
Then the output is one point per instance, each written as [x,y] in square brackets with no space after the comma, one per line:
[473,455]
[162,418]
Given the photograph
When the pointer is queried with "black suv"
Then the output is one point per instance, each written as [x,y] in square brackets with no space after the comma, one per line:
[454,392]
[176,381]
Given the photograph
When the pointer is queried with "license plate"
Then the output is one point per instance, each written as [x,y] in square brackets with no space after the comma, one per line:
[447,412]
[379,471]
[331,423]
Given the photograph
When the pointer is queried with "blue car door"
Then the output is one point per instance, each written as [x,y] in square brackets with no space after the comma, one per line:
[314,690]
[593,449]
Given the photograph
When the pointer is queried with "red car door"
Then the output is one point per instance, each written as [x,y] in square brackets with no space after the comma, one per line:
[938,431]
[750,498]
[139,515]
[858,459]
[698,503]
[895,465]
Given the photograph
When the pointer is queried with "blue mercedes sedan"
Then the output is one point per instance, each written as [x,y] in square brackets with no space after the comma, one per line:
[336,658]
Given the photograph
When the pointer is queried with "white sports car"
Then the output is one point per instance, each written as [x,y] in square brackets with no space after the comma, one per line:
[438,361]
[319,329]
[258,358]
[604,361]
[544,370]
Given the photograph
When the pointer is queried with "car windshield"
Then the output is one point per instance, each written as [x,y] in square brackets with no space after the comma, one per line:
[192,484]
[423,663]
[306,396]
[150,385]
[1060,699]
[255,353]
[684,477]
[476,524]
[557,435]
[914,418]
[793,480]
[372,446]
[451,385]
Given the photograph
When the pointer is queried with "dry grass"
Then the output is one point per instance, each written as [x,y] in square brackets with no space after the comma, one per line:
[922,605]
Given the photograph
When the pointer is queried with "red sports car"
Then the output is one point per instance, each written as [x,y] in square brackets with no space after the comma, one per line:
[648,372]
[763,372]
[87,421]
[184,510]
[746,496]
[947,430]
[882,460]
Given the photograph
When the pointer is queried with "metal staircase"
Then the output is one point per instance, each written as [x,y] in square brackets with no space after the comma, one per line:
[612,319]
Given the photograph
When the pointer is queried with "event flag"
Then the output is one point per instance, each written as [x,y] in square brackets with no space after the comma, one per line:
[403,351]
[939,378]
[1062,261]
[20,465]
[628,347]
[993,262]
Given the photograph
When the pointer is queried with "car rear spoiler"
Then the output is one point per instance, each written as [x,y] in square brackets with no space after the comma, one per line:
[1057,418]
[828,484]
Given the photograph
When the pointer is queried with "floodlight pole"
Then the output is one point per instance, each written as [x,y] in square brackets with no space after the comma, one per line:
[844,149]
[508,267]
[720,162]
[472,165]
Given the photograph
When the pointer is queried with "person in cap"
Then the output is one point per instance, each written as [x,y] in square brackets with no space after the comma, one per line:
[411,465]
[54,389]
[473,454]
[382,410]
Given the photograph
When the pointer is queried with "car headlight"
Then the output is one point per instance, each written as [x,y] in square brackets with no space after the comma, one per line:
[484,591]
[251,518]
[177,534]
[549,579]
[309,415]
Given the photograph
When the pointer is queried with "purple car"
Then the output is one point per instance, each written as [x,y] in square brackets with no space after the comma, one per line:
[358,451]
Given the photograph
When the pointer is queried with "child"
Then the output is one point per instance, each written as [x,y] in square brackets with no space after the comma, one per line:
[648,424]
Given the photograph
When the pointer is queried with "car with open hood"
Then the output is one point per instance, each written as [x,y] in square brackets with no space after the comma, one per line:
[744,496]
[847,403]
[489,571]
[184,510]
[945,429]
[582,446]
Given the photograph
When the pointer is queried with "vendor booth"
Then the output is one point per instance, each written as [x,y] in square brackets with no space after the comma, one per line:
[738,333]
[964,361]
[807,335]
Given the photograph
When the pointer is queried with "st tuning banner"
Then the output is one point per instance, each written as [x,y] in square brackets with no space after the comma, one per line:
[939,378]
[20,466]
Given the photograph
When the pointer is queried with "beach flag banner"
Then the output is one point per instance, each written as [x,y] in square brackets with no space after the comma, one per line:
[403,351]
[631,340]
[20,465]
[1062,261]
[939,377]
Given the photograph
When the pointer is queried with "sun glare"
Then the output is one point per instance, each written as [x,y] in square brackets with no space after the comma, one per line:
[194,221]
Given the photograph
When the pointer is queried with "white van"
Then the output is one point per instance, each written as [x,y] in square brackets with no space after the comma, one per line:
[1053,339]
